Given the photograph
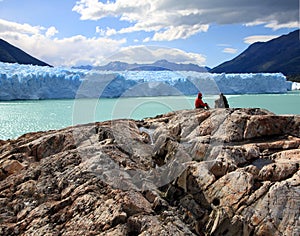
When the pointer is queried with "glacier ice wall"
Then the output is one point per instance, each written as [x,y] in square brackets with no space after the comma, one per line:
[34,82]
[295,86]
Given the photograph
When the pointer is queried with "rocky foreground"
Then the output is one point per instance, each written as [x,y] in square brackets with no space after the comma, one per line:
[191,172]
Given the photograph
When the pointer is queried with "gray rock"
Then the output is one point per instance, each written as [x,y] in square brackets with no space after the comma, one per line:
[190,172]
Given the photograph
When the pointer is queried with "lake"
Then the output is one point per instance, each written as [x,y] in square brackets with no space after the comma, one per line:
[19,117]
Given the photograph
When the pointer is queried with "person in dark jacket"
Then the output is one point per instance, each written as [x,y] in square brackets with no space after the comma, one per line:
[221,102]
[199,103]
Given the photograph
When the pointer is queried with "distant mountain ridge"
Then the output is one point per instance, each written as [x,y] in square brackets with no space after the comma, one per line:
[12,54]
[281,54]
[156,66]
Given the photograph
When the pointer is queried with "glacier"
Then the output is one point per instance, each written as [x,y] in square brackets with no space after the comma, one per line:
[295,86]
[35,82]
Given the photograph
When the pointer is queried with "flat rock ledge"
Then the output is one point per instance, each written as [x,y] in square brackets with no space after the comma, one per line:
[189,172]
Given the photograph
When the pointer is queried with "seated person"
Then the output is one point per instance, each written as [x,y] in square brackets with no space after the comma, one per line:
[199,103]
[221,102]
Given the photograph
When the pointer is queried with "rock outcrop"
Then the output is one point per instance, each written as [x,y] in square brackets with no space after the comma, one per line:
[191,172]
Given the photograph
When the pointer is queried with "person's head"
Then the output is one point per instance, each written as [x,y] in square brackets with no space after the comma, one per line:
[199,95]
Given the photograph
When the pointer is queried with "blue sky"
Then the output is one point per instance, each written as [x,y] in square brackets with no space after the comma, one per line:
[204,32]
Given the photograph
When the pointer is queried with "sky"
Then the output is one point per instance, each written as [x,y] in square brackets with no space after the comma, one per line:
[94,32]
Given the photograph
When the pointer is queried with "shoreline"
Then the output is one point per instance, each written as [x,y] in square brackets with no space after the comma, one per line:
[19,117]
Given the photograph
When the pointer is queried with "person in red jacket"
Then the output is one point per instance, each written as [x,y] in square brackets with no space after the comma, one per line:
[199,103]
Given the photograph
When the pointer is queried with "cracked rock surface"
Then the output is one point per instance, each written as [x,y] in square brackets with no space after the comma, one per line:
[189,172]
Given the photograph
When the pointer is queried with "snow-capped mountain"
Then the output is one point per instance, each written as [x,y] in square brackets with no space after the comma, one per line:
[160,65]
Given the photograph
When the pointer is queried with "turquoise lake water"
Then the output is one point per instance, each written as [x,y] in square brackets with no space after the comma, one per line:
[19,117]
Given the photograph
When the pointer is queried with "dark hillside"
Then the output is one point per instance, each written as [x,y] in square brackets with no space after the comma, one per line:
[12,54]
[281,54]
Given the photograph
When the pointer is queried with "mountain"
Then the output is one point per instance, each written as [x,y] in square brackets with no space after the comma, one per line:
[160,65]
[281,54]
[12,54]
[179,67]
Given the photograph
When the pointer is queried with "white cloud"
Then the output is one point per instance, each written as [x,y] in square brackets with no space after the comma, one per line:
[149,54]
[255,23]
[275,25]
[179,32]
[259,38]
[51,32]
[21,28]
[95,10]
[145,16]
[223,45]
[100,31]
[172,19]
[230,50]
[146,40]
[106,32]
[37,41]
